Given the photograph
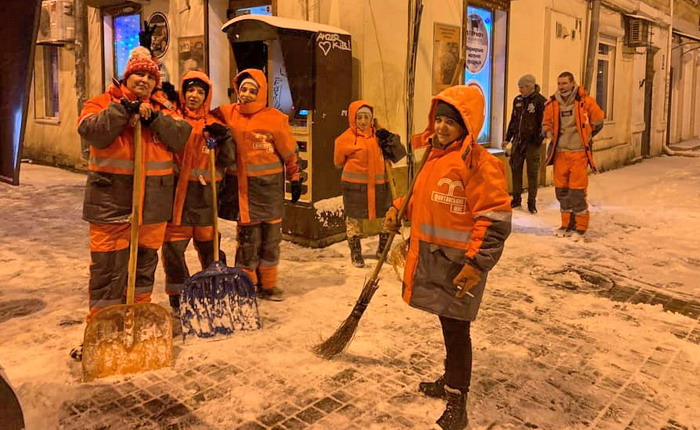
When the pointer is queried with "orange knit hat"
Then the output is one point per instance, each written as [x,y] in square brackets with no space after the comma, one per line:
[140,61]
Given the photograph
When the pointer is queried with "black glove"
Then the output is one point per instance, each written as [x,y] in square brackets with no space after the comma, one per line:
[296,191]
[150,119]
[383,135]
[170,92]
[146,36]
[132,108]
[215,130]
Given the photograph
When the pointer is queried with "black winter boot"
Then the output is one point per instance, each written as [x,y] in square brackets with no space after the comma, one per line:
[532,206]
[516,201]
[434,389]
[356,251]
[383,239]
[455,415]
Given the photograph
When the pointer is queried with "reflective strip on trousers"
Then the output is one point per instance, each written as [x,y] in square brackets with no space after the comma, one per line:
[103,303]
[445,233]
[129,164]
[263,167]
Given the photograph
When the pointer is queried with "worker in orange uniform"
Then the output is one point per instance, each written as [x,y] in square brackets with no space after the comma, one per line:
[192,207]
[360,151]
[571,119]
[106,126]
[460,218]
[254,190]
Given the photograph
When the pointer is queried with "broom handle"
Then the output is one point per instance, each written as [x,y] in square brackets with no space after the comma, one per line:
[402,210]
[135,211]
[214,202]
[390,175]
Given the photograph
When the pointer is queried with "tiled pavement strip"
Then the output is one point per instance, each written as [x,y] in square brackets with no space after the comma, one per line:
[557,377]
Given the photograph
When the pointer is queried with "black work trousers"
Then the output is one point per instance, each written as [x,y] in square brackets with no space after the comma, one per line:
[458,345]
[530,155]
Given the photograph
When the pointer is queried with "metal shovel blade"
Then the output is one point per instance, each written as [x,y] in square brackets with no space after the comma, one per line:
[127,339]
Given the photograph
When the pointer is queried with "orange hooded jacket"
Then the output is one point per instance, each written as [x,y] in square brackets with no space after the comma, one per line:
[193,161]
[358,153]
[265,149]
[103,124]
[460,213]
[589,118]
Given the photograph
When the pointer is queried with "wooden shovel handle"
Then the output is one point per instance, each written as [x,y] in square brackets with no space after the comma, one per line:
[135,211]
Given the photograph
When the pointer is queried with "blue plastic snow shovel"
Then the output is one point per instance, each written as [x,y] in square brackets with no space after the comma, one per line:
[220,299]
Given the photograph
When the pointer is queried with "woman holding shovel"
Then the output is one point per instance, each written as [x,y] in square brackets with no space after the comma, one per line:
[361,152]
[107,126]
[460,218]
[192,207]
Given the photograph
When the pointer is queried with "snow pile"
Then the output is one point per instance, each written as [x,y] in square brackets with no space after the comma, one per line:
[329,209]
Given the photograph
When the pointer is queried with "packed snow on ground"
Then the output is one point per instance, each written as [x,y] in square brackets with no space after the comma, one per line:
[645,222]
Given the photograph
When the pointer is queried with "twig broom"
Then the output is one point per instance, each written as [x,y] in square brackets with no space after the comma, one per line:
[343,335]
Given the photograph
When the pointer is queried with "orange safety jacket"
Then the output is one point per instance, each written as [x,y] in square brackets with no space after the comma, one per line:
[358,153]
[589,119]
[265,149]
[459,211]
[104,125]
[193,199]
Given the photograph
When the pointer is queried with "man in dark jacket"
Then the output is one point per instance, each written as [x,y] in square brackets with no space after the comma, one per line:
[524,133]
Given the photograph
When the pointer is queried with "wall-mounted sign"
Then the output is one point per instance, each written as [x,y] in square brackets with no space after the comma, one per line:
[446,40]
[191,54]
[478,71]
[491,4]
[161,34]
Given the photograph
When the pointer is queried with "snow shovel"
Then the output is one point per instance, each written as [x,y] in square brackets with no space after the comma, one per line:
[133,337]
[220,299]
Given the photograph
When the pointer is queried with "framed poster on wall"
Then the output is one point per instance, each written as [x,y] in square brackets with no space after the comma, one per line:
[446,39]
[479,57]
[191,54]
[161,34]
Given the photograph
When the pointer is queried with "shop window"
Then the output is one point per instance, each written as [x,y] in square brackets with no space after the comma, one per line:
[126,37]
[605,77]
[46,103]
[479,59]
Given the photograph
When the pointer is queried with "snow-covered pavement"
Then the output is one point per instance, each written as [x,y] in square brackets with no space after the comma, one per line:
[602,334]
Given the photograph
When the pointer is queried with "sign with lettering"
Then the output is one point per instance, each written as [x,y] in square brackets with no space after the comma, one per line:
[491,4]
[478,70]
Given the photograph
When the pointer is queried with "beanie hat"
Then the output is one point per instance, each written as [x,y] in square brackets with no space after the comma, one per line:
[449,111]
[527,81]
[196,82]
[139,61]
[249,81]
[365,109]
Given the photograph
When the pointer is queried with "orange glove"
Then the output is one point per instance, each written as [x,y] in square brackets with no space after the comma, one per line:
[467,279]
[391,221]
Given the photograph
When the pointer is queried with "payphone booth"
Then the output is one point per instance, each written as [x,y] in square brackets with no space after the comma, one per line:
[309,72]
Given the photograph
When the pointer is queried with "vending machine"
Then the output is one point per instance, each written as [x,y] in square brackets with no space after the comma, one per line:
[309,72]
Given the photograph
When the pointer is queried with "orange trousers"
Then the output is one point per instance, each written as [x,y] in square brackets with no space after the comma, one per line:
[109,252]
[258,251]
[571,185]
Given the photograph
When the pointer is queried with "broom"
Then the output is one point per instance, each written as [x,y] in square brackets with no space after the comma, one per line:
[343,335]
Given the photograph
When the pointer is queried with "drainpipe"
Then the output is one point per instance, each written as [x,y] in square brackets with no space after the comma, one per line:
[81,52]
[667,97]
[592,44]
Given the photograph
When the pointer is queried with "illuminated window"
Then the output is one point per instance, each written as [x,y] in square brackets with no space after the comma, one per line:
[46,83]
[478,71]
[126,38]
[605,76]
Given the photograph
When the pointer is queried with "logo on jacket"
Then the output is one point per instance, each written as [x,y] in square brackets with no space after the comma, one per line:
[458,205]
[531,108]
[263,141]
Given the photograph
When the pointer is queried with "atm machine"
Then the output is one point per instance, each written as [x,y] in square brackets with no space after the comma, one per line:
[309,72]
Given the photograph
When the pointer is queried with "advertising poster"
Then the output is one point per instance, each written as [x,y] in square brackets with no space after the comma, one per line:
[478,71]
[445,55]
[161,34]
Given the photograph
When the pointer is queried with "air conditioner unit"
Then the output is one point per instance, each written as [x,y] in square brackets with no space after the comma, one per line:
[636,32]
[57,22]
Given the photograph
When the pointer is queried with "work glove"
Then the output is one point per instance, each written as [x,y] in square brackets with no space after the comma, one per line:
[466,279]
[391,221]
[146,36]
[217,131]
[132,108]
[170,92]
[147,121]
[296,191]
